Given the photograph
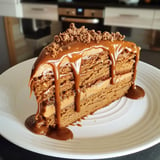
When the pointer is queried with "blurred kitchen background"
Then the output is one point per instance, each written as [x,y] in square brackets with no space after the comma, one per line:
[26,26]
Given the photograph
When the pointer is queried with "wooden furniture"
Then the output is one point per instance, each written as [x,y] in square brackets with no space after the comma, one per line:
[9,22]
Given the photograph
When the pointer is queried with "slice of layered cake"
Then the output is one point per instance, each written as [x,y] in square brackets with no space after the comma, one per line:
[80,72]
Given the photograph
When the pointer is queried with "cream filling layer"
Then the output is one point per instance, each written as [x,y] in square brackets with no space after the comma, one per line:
[50,109]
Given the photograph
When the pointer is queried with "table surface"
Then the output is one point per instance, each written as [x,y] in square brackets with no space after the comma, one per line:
[10,151]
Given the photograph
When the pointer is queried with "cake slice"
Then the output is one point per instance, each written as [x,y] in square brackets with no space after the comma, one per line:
[80,72]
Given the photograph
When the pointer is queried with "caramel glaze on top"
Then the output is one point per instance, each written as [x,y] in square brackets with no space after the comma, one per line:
[55,53]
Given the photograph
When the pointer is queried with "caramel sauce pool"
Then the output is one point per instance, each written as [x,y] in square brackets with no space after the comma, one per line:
[135,92]
[62,133]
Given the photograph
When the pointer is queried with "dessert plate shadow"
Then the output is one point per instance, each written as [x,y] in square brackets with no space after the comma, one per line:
[124,127]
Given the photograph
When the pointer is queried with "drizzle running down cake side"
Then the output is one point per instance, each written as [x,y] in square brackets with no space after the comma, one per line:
[80,72]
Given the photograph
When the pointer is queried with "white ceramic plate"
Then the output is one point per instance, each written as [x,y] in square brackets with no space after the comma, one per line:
[126,126]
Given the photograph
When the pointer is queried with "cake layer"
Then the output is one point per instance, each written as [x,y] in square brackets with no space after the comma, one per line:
[100,85]
[96,97]
[94,68]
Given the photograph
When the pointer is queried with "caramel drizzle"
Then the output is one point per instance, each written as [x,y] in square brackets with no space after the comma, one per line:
[114,52]
[76,67]
[55,67]
[75,59]
[135,67]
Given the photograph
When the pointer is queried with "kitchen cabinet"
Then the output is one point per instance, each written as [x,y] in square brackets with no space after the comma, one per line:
[12,8]
[156,19]
[40,11]
[129,17]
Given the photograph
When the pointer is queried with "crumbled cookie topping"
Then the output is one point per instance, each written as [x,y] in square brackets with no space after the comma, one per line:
[81,34]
